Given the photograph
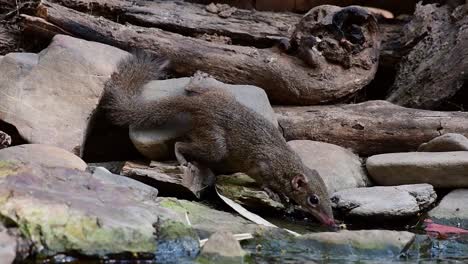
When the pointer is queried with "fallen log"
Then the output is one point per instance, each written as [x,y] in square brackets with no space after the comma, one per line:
[38,25]
[286,79]
[242,27]
[396,7]
[12,38]
[245,27]
[8,40]
[436,68]
[369,128]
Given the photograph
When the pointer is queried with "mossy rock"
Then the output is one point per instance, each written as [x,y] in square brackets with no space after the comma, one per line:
[62,210]
[206,220]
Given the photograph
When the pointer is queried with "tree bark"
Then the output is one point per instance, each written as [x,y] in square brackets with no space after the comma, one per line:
[397,7]
[437,67]
[286,79]
[243,27]
[369,128]
[8,40]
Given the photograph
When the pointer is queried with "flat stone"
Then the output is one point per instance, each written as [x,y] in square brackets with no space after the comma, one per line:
[440,169]
[340,168]
[45,155]
[221,247]
[446,142]
[50,96]
[452,210]
[340,247]
[380,201]
[206,220]
[157,144]
[362,242]
[67,210]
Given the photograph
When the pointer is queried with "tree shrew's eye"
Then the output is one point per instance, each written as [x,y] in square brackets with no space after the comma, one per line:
[313,199]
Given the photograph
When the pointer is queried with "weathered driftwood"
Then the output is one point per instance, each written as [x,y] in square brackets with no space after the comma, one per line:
[392,48]
[38,25]
[244,27]
[7,40]
[397,7]
[11,37]
[437,67]
[260,29]
[285,78]
[369,128]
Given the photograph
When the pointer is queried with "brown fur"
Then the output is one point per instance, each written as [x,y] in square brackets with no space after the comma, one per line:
[224,135]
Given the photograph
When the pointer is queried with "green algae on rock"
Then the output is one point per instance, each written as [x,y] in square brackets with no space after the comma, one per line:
[8,167]
[246,192]
[64,210]
[175,240]
[205,220]
[221,247]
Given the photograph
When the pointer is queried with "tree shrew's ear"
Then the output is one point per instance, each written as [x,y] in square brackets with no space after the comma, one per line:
[299,182]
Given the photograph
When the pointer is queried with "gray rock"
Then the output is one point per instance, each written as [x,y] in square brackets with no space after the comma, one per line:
[93,214]
[49,96]
[157,144]
[45,155]
[221,247]
[207,221]
[362,242]
[340,247]
[440,169]
[339,167]
[453,209]
[143,191]
[439,250]
[446,142]
[112,166]
[8,247]
[385,201]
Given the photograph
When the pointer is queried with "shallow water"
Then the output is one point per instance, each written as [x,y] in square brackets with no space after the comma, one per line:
[425,249]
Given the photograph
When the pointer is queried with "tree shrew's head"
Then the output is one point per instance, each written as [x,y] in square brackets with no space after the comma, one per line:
[310,192]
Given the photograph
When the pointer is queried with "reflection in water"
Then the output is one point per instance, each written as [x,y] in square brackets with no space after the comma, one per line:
[424,249]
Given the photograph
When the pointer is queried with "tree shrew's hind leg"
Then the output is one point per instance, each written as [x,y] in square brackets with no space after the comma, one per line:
[196,176]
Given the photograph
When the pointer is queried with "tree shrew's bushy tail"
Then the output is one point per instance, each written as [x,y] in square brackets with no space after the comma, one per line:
[121,98]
